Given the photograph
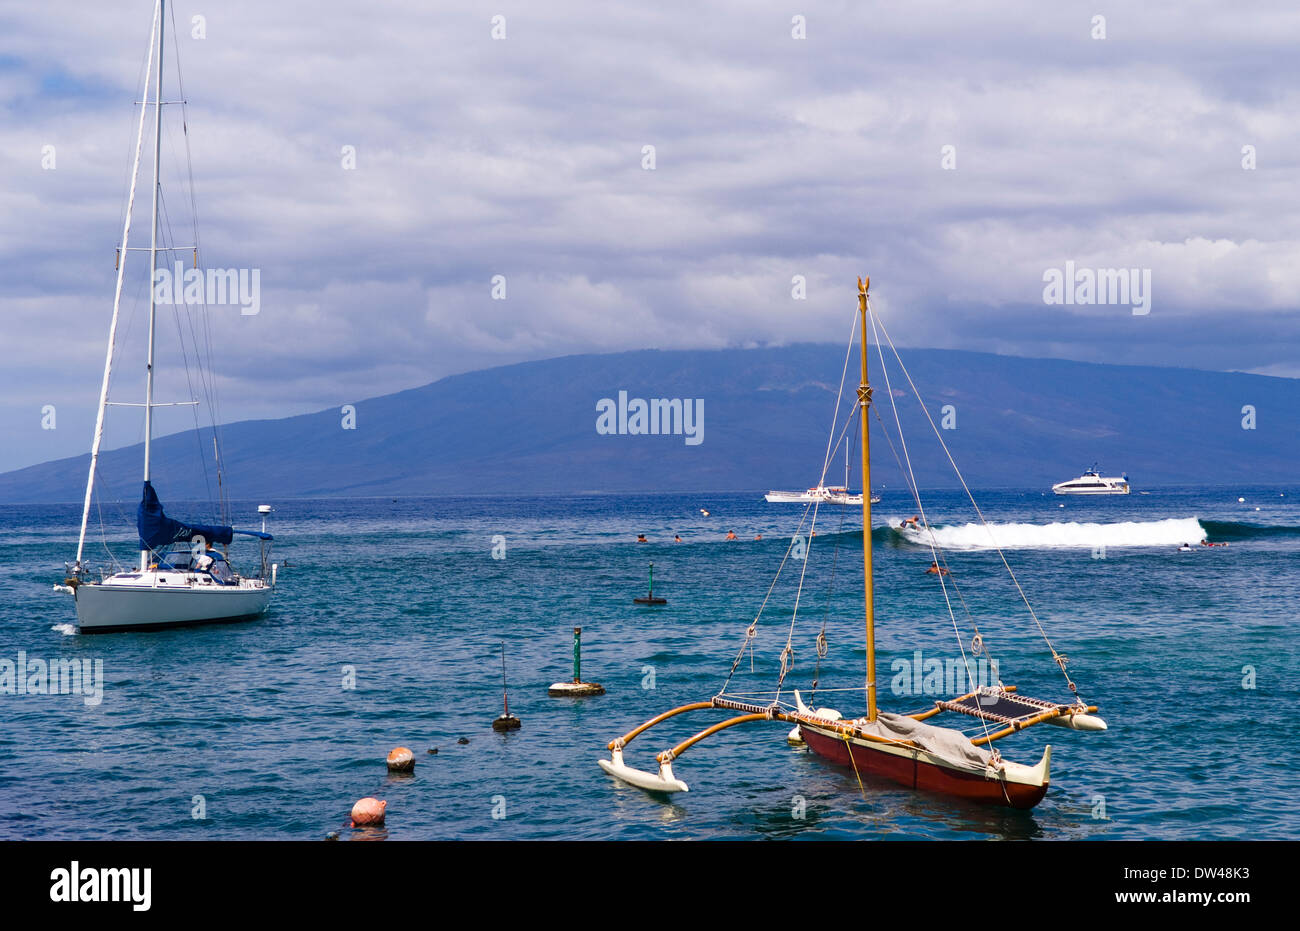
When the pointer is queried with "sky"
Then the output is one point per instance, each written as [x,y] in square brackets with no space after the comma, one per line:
[955,152]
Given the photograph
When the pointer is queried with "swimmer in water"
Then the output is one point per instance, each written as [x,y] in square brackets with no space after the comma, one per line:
[731,535]
[640,538]
[758,536]
[936,569]
[677,538]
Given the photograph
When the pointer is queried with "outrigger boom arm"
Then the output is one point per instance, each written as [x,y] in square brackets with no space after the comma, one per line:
[665,781]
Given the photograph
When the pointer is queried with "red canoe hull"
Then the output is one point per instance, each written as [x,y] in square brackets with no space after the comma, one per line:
[924,776]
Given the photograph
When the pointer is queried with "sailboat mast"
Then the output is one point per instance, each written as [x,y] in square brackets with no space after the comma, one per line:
[153,256]
[864,401]
[98,439]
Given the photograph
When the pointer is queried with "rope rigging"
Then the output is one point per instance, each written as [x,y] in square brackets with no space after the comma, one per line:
[194,339]
[1059,659]
[978,644]
[910,478]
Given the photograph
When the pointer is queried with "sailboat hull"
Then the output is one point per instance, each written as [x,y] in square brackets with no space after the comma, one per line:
[106,608]
[921,771]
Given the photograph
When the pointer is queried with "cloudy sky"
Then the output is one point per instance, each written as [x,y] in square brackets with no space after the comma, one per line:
[524,156]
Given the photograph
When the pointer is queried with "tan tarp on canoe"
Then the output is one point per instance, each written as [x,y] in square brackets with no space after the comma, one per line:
[943,742]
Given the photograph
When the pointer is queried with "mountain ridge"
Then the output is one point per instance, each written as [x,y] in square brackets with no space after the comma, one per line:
[530,427]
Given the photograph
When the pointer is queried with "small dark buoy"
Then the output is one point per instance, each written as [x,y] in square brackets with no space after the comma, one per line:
[463,740]
[650,599]
[577,688]
[505,721]
[401,760]
[432,750]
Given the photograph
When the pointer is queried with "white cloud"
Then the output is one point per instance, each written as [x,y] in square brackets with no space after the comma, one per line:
[775,157]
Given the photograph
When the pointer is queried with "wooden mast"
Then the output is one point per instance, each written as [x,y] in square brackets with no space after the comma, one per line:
[864,401]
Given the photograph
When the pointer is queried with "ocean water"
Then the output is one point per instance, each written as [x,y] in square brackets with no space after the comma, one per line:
[1192,658]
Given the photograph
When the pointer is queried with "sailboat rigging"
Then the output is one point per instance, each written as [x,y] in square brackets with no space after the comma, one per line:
[903,748]
[194,584]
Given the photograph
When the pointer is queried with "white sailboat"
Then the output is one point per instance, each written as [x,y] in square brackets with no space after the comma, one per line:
[195,584]
[821,493]
[825,494]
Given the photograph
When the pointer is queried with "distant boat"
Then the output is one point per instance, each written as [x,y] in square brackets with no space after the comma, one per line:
[1093,482]
[826,494]
[192,584]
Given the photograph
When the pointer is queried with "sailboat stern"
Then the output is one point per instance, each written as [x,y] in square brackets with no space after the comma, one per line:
[1038,775]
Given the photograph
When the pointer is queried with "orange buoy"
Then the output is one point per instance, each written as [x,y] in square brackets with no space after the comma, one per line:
[401,760]
[368,811]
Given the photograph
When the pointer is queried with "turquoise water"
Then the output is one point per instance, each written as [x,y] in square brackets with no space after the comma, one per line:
[255,718]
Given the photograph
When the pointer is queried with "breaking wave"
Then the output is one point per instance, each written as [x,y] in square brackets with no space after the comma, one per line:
[1171,532]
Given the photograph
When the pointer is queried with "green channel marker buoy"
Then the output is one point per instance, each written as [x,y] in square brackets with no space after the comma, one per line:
[577,688]
[650,598]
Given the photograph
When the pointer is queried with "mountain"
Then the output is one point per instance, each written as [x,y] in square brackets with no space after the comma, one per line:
[532,428]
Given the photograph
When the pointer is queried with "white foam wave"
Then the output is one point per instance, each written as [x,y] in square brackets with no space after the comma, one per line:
[67,630]
[1171,532]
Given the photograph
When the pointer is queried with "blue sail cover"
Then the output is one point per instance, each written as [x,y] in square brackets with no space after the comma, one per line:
[157,530]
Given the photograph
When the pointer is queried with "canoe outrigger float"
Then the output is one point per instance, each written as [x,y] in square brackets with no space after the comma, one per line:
[903,748]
